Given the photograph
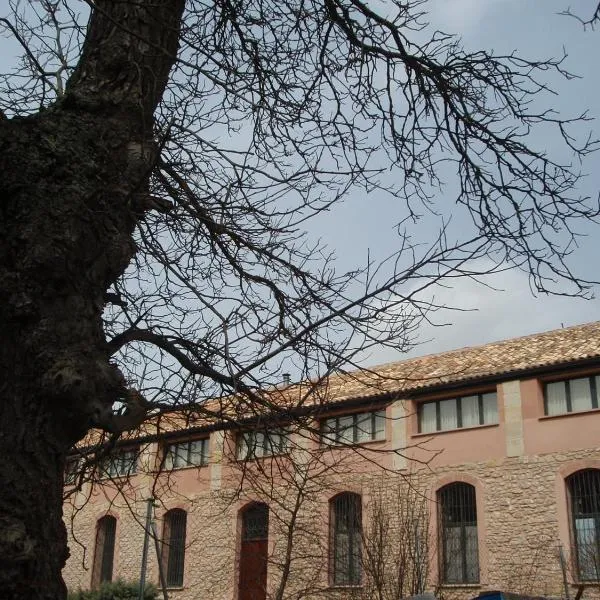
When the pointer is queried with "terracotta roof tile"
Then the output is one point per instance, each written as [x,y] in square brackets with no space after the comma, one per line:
[558,347]
[403,378]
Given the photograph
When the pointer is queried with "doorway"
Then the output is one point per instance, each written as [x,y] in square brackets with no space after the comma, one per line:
[254,552]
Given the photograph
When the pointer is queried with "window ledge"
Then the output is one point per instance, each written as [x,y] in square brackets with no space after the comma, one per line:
[569,414]
[442,431]
[336,446]
[252,459]
[165,470]
[110,478]
[462,585]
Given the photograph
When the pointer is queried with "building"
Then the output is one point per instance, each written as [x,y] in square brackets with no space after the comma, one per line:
[459,472]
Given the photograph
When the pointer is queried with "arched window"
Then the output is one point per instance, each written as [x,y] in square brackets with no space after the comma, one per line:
[173,549]
[346,542]
[104,550]
[459,549]
[584,495]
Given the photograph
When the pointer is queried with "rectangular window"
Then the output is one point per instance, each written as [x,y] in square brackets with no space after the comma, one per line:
[256,444]
[120,464]
[455,413]
[71,471]
[571,395]
[191,453]
[354,429]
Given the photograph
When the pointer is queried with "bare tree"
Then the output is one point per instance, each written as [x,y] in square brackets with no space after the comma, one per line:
[397,546]
[159,162]
[586,21]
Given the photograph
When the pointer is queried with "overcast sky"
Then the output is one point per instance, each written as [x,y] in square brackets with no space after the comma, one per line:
[536,30]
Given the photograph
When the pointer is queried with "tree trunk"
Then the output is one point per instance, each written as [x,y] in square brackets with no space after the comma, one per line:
[73,183]
[33,546]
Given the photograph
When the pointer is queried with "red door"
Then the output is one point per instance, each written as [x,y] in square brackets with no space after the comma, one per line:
[253,553]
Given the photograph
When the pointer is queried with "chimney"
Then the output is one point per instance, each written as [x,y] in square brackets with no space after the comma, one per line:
[287,379]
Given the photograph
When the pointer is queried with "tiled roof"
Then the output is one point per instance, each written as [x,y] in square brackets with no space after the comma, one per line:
[558,347]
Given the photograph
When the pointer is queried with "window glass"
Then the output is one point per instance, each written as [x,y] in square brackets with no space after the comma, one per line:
[571,395]
[174,546]
[242,446]
[120,464]
[329,431]
[490,408]
[428,417]
[364,427]
[71,471]
[556,398]
[186,454]
[458,527]
[104,550]
[180,455]
[470,411]
[354,429]
[448,416]
[199,452]
[346,539]
[471,553]
[277,441]
[345,429]
[255,522]
[379,433]
[584,493]
[257,444]
[581,394]
[453,413]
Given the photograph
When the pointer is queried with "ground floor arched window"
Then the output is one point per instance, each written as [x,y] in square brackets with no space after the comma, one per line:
[459,546]
[346,539]
[584,500]
[173,549]
[104,550]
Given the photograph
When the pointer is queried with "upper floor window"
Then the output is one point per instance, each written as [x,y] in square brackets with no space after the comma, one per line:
[120,464]
[584,496]
[354,429]
[104,550]
[454,413]
[173,549]
[191,453]
[571,395]
[256,444]
[346,539]
[458,534]
[71,470]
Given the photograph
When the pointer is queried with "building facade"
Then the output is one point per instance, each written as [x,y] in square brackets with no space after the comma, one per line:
[455,473]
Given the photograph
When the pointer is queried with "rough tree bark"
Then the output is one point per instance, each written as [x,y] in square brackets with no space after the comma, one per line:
[73,181]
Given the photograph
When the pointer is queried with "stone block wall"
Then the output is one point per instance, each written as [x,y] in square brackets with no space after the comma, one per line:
[521,521]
